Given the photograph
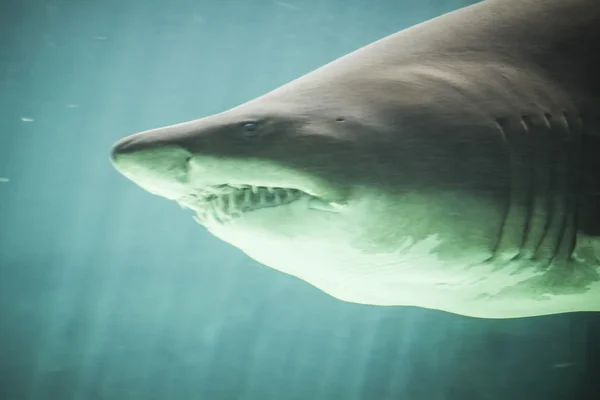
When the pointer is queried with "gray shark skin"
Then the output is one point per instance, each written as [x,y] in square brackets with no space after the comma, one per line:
[454,165]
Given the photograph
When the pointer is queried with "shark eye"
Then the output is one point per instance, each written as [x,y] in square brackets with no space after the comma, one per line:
[250,129]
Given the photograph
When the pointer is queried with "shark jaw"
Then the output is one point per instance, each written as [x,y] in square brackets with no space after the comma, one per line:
[221,190]
[220,204]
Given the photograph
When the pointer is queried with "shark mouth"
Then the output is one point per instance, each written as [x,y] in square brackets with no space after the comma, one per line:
[223,203]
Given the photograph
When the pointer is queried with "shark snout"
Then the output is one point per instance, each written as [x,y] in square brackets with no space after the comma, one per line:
[123,146]
[181,135]
[147,140]
[160,167]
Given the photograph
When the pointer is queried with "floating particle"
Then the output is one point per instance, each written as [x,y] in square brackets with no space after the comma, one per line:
[26,119]
[4,180]
[563,365]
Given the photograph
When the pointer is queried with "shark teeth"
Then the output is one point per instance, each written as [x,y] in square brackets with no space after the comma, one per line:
[225,202]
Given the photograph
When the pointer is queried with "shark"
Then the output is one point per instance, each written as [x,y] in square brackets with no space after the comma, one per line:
[454,166]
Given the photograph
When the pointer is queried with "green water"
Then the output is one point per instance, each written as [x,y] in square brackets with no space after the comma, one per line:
[109,293]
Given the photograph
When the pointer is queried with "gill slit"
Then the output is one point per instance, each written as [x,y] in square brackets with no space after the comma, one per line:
[544,183]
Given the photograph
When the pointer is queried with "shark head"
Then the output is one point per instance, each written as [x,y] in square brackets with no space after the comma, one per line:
[261,172]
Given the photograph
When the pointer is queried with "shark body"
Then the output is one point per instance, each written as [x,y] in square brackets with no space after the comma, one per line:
[454,165]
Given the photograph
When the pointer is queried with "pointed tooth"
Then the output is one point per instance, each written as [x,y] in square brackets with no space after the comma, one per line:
[254,189]
[263,197]
[220,211]
[214,214]
[247,198]
[209,212]
[240,200]
[232,201]
[218,214]
[278,198]
[221,203]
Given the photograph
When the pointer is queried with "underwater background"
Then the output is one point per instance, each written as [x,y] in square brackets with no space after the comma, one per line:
[110,293]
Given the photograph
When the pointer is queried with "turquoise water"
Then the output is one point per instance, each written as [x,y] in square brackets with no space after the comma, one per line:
[107,292]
